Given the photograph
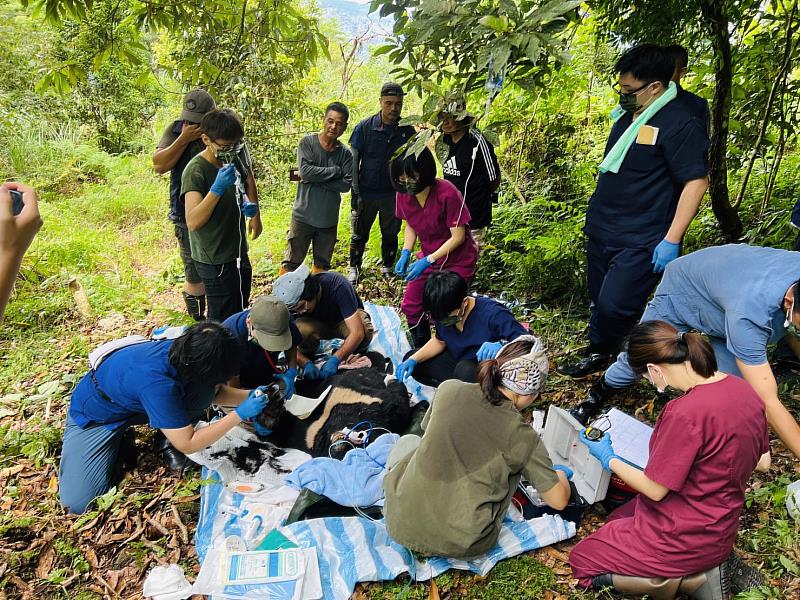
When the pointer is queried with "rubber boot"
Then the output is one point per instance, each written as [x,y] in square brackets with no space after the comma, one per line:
[599,395]
[418,413]
[172,458]
[713,584]
[656,588]
[195,306]
[305,499]
[420,333]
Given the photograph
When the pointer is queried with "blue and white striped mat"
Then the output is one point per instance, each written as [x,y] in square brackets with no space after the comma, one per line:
[353,549]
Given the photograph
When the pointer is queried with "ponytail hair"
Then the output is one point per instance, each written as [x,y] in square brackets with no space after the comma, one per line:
[658,342]
[489,376]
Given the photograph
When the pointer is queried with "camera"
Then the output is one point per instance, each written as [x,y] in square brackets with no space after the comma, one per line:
[16,202]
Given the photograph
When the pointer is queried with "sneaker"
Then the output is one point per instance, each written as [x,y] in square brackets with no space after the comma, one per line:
[387,272]
[588,365]
[352,276]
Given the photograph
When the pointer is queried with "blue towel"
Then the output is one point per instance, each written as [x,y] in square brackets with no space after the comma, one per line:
[356,480]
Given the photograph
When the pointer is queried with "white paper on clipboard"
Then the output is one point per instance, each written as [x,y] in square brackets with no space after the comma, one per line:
[631,437]
[302,406]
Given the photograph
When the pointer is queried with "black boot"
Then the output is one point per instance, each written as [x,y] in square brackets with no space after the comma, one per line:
[175,460]
[599,395]
[592,362]
[420,333]
[195,306]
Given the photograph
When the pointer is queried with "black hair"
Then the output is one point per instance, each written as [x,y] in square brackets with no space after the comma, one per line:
[489,376]
[444,292]
[339,108]
[222,124]
[679,55]
[311,288]
[422,167]
[797,294]
[658,342]
[647,63]
[207,353]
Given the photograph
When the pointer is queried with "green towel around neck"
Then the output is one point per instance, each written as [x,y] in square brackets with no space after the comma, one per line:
[613,160]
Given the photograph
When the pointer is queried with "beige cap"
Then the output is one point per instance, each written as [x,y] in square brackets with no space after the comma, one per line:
[269,319]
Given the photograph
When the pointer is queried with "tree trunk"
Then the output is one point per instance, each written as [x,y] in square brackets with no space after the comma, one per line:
[728,218]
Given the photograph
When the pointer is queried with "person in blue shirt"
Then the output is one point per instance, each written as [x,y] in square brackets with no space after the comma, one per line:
[263,332]
[373,143]
[469,329]
[649,189]
[743,298]
[167,384]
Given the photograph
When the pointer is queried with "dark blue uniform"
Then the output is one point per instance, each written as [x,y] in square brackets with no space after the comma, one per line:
[630,213]
[374,143]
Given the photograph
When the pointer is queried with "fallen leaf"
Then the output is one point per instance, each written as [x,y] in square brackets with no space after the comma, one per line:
[9,471]
[433,593]
[46,560]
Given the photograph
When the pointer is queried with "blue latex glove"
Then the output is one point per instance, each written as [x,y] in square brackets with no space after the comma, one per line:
[404,369]
[488,350]
[565,469]
[249,209]
[226,177]
[254,403]
[602,449]
[310,371]
[402,265]
[288,379]
[260,429]
[330,367]
[417,269]
[664,254]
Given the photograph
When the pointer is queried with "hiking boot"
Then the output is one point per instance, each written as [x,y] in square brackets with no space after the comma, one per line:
[593,362]
[599,395]
[353,275]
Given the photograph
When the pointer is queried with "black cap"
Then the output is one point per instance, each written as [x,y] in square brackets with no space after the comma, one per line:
[391,88]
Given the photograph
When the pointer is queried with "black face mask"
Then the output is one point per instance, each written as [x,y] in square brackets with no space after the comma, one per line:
[411,186]
[628,101]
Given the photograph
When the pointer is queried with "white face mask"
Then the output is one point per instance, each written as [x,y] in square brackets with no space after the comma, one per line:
[653,381]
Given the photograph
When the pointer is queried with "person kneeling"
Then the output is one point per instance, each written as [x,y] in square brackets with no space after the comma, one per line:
[449,495]
[703,450]
[468,329]
[166,383]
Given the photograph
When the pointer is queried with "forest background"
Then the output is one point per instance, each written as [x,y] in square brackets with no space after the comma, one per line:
[86,88]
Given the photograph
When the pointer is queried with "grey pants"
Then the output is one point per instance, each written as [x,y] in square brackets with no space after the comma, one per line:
[300,236]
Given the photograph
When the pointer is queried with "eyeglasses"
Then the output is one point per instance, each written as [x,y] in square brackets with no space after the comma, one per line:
[616,87]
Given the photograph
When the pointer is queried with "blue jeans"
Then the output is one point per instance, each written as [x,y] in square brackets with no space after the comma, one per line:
[89,455]
[620,374]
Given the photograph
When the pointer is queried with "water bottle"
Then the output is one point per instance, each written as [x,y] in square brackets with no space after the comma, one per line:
[793,499]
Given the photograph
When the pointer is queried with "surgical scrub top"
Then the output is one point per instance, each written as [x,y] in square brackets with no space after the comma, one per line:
[488,321]
[635,207]
[139,380]
[256,366]
[732,292]
[444,209]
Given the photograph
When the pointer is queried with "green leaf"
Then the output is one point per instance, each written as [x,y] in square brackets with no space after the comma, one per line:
[499,24]
[383,49]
